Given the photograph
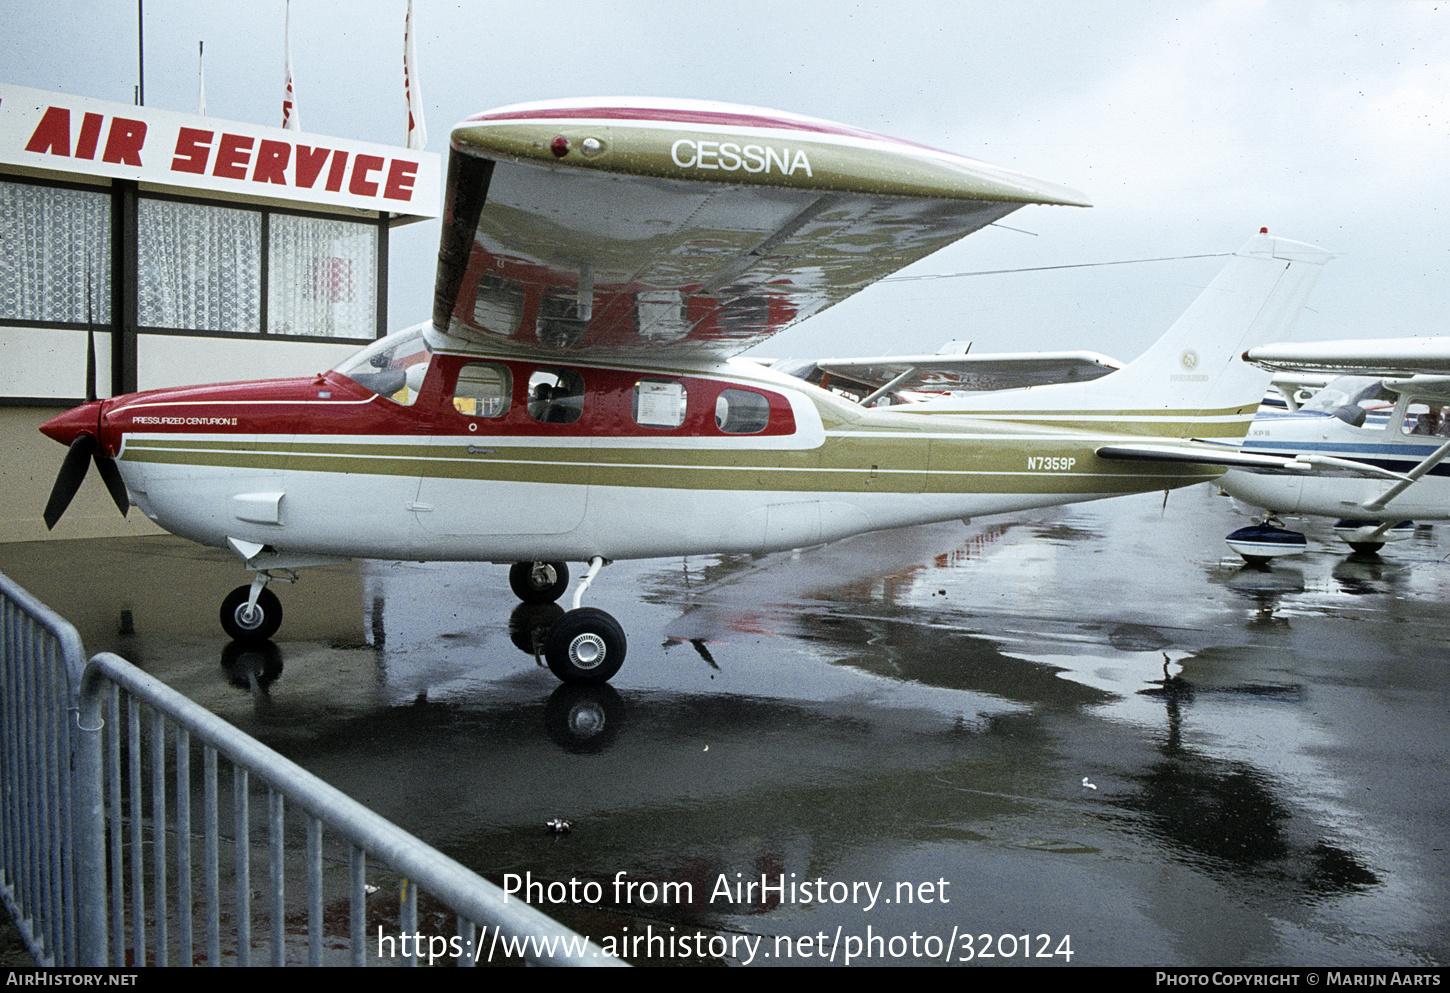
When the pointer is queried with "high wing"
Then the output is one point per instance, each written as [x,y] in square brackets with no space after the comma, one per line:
[988,371]
[627,227]
[1393,357]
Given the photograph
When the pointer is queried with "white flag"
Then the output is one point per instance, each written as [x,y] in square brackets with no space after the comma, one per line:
[417,129]
[290,119]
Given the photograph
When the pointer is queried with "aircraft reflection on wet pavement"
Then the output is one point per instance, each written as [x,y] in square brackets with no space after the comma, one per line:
[1184,761]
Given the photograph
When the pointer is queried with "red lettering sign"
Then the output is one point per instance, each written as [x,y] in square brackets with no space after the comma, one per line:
[124,141]
[272,159]
[52,134]
[401,175]
[233,153]
[201,152]
[90,136]
[309,165]
[361,166]
[193,148]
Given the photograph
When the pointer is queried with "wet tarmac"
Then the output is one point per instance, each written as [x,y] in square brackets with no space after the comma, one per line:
[1087,735]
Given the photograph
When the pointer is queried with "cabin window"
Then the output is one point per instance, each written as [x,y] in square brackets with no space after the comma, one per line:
[659,403]
[741,412]
[482,390]
[556,396]
[1431,419]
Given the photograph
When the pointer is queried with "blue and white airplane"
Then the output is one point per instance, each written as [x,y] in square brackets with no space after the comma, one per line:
[1366,449]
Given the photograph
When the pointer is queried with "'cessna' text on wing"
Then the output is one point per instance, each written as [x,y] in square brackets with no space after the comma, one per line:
[727,156]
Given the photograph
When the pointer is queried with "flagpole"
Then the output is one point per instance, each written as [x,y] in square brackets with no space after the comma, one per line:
[290,117]
[417,129]
[140,57]
[201,78]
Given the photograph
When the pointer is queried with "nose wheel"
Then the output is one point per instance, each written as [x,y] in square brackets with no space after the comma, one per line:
[538,582]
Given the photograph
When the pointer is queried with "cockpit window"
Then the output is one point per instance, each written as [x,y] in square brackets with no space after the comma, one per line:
[393,367]
[1351,398]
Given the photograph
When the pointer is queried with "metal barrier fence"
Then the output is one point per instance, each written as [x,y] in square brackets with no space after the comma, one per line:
[38,829]
[105,809]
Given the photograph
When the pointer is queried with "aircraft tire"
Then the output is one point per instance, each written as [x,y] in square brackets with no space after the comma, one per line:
[260,627]
[527,589]
[585,646]
[1365,547]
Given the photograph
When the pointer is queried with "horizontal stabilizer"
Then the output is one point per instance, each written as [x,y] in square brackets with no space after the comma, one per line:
[1232,459]
[1226,457]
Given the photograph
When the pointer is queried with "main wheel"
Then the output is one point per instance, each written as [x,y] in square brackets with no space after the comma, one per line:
[264,621]
[538,582]
[1366,547]
[585,646]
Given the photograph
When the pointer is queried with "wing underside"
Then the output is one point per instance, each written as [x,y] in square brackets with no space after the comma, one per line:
[984,372]
[639,247]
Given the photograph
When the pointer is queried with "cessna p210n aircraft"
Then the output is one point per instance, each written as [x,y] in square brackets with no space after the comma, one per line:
[1374,439]
[575,396]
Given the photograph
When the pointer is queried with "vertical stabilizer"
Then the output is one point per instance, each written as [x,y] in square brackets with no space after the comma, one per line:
[1192,381]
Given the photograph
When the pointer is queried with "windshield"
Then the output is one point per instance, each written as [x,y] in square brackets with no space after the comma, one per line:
[1350,398]
[392,367]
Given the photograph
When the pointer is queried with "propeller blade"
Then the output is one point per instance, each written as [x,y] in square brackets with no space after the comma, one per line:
[90,366]
[111,476]
[90,344]
[68,480]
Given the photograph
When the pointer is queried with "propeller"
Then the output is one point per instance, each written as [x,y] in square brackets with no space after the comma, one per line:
[83,448]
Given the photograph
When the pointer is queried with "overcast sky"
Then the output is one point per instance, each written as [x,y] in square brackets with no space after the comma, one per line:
[1188,124]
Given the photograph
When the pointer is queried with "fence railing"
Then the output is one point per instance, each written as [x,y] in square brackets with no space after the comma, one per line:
[119,848]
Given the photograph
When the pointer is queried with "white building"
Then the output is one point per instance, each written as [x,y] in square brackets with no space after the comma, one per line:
[189,250]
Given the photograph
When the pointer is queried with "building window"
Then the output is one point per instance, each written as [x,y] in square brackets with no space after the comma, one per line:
[200,267]
[321,277]
[53,241]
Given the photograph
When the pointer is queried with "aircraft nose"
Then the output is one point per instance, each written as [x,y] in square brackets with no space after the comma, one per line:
[65,428]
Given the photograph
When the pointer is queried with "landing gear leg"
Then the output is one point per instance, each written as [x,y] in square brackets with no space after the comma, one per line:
[253,613]
[586,645]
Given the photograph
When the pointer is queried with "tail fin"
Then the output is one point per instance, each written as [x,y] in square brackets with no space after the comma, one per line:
[1193,381]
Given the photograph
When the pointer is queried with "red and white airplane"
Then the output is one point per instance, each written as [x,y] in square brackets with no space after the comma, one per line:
[575,399]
